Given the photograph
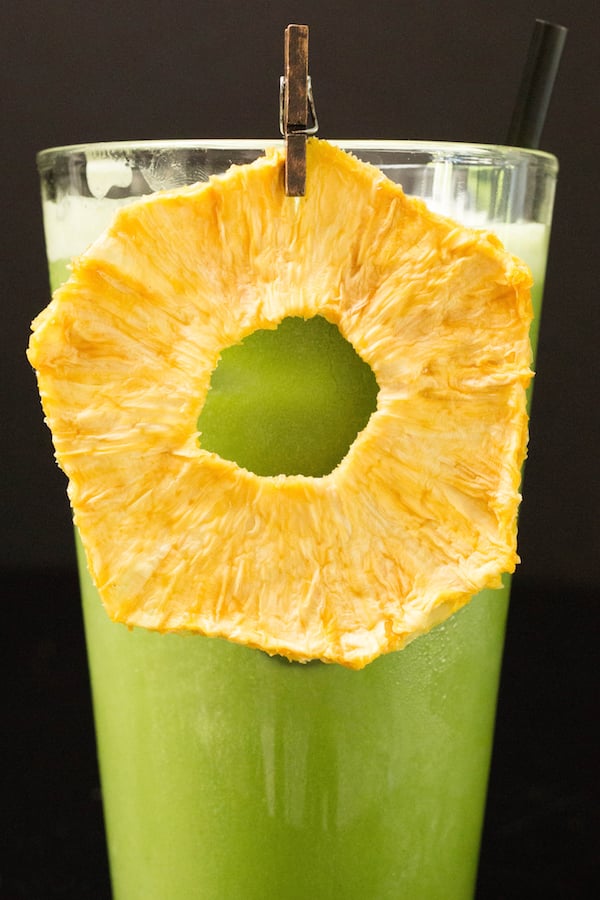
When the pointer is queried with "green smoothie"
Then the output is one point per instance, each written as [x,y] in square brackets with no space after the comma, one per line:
[231,775]
[227,773]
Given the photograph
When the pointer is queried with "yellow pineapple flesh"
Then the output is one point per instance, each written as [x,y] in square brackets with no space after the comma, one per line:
[419,515]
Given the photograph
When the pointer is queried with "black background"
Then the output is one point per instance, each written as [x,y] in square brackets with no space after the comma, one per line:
[75,72]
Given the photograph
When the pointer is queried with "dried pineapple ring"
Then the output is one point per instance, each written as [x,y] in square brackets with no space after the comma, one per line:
[419,515]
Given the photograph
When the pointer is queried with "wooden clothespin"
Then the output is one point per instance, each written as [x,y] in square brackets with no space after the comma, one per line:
[297,116]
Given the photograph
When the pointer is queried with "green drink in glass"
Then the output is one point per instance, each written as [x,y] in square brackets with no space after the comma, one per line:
[229,773]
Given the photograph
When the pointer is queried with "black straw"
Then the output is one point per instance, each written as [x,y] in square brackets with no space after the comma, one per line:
[537,83]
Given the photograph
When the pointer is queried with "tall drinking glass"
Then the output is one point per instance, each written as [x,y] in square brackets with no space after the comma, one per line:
[230,774]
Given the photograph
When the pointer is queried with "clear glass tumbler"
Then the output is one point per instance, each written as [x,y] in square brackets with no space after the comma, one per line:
[230,774]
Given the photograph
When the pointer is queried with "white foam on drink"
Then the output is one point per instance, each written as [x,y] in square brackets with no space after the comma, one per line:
[73,223]
[528,241]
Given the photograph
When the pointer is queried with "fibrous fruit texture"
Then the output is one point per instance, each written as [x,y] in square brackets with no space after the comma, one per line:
[419,515]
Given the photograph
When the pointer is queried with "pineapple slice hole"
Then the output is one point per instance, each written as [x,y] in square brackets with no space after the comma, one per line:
[288,401]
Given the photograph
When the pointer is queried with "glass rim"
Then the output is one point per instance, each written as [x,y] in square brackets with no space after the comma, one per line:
[485,153]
